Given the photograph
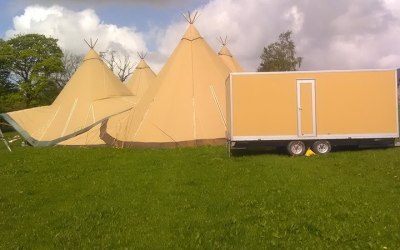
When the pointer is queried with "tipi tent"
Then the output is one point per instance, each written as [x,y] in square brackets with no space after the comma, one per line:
[227,57]
[188,103]
[92,94]
[141,79]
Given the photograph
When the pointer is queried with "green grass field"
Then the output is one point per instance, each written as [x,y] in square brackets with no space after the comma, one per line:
[197,198]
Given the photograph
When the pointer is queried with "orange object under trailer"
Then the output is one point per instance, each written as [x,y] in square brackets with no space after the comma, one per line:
[318,110]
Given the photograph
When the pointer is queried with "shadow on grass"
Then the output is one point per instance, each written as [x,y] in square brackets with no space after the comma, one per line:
[259,151]
[239,152]
[359,148]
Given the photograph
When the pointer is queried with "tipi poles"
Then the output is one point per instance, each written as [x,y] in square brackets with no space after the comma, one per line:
[4,140]
[91,44]
[223,41]
[142,55]
[191,18]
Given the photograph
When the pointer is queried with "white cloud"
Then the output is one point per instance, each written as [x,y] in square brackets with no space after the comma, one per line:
[329,35]
[106,2]
[221,18]
[249,25]
[296,18]
[358,34]
[71,27]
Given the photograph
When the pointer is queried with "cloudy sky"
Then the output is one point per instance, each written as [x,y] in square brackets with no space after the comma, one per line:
[339,34]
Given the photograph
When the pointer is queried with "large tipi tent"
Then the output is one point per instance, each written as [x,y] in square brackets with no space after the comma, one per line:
[92,94]
[142,77]
[227,57]
[186,106]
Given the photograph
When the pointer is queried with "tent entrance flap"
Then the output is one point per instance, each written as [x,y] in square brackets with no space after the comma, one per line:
[306,108]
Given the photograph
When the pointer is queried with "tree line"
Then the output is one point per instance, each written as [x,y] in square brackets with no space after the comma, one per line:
[34,69]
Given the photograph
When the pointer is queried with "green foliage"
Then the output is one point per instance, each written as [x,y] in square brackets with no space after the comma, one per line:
[280,55]
[33,61]
[6,86]
[9,98]
[197,198]
[10,102]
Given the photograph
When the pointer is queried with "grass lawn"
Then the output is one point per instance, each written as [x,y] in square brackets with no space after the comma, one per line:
[197,198]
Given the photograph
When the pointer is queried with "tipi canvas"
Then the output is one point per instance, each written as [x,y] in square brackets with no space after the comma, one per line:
[187,104]
[92,94]
[143,77]
[226,56]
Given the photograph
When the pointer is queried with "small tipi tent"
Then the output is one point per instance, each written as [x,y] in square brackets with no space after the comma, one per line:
[142,78]
[92,94]
[227,57]
[188,103]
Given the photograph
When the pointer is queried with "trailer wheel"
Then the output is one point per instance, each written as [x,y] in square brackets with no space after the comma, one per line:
[296,148]
[321,147]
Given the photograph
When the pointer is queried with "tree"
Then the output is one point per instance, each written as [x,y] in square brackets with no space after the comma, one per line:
[34,62]
[280,55]
[70,63]
[6,86]
[123,68]
[9,99]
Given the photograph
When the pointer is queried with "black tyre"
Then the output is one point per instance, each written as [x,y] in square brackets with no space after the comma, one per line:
[321,147]
[296,148]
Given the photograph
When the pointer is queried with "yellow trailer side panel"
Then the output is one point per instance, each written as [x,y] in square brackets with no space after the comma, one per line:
[356,103]
[347,103]
[263,108]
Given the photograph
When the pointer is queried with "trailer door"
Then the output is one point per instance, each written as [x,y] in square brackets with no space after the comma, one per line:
[306,122]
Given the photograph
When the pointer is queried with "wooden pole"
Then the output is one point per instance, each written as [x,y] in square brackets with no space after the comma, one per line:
[4,140]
